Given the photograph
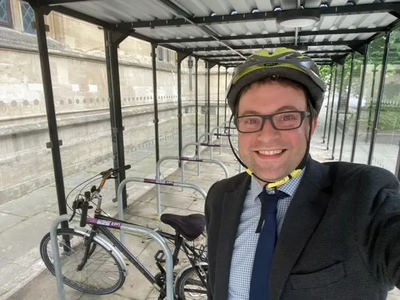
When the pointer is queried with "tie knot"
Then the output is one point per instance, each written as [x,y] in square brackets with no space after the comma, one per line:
[269,205]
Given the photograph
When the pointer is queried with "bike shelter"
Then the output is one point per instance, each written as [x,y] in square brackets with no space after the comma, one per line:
[184,25]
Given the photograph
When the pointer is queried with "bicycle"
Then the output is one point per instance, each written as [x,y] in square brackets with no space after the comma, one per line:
[85,254]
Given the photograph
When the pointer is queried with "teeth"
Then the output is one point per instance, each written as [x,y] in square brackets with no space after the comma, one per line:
[273,152]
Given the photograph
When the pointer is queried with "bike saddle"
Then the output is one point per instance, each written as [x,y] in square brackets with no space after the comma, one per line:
[191,226]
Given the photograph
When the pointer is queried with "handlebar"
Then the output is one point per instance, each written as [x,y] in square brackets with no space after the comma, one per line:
[111,172]
[84,204]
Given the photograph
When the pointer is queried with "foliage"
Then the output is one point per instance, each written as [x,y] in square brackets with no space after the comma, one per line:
[389,118]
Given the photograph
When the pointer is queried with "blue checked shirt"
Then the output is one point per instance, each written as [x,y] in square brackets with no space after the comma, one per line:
[246,240]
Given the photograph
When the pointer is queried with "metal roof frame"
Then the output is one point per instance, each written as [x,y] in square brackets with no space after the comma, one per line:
[208,39]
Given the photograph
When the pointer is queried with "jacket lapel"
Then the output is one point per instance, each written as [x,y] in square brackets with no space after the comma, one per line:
[232,210]
[303,216]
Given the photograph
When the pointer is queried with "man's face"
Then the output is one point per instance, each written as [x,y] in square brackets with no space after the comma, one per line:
[273,154]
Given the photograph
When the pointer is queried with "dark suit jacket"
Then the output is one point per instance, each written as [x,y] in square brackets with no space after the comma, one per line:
[340,238]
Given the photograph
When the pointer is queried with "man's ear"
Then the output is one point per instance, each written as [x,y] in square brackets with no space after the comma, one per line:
[314,125]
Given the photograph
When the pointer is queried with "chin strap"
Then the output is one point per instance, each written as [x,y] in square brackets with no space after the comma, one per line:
[274,185]
[284,180]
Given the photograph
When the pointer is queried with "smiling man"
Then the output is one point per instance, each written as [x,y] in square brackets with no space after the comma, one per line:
[289,227]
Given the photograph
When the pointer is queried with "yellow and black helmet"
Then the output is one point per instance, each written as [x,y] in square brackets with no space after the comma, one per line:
[283,63]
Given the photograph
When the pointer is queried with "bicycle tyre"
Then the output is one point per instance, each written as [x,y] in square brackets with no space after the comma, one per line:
[82,280]
[190,286]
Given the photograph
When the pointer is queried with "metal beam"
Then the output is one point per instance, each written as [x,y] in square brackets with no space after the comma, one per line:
[261,46]
[268,15]
[206,29]
[376,36]
[273,35]
[209,67]
[360,48]
[56,2]
[114,90]
[218,82]
[226,88]
[219,55]
[360,99]
[327,105]
[327,52]
[197,103]
[333,101]
[181,57]
[339,59]
[155,98]
[81,16]
[347,105]
[337,112]
[379,100]
[54,143]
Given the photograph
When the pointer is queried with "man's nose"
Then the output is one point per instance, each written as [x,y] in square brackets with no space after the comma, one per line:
[268,131]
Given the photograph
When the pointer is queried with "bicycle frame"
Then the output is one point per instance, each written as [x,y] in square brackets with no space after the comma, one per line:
[101,224]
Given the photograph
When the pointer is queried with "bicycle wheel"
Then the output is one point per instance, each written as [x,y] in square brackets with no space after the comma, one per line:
[190,286]
[101,275]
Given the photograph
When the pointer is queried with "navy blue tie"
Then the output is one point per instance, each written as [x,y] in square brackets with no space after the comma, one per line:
[267,226]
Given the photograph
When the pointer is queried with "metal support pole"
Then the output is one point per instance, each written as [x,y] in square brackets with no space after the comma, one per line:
[371,102]
[197,100]
[380,96]
[327,105]
[208,98]
[337,112]
[54,143]
[179,71]
[226,88]
[360,98]
[347,105]
[181,57]
[219,67]
[112,41]
[397,170]
[154,65]
[333,101]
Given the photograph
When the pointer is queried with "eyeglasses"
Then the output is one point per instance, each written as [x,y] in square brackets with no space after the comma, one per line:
[287,120]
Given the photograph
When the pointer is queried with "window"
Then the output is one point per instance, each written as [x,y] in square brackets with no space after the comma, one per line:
[28,16]
[5,13]
[160,53]
[168,59]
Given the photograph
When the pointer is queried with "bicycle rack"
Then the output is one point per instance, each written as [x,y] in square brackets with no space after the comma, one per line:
[212,145]
[221,135]
[128,227]
[154,181]
[184,158]
[215,134]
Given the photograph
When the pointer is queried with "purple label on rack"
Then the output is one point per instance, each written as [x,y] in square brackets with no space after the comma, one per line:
[103,223]
[222,134]
[163,182]
[210,145]
[191,159]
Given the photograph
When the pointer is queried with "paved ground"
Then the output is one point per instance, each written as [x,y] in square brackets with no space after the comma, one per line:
[24,221]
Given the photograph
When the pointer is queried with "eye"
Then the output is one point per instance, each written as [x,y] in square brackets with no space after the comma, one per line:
[252,120]
[290,117]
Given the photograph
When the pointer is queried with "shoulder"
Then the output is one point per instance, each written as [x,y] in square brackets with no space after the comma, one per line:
[361,175]
[229,184]
[218,189]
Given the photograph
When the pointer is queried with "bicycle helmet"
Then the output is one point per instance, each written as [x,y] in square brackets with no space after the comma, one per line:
[283,63]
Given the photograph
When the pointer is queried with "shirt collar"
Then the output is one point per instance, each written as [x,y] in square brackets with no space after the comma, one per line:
[289,187]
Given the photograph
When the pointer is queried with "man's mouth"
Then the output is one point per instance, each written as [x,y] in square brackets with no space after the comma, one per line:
[271,152]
